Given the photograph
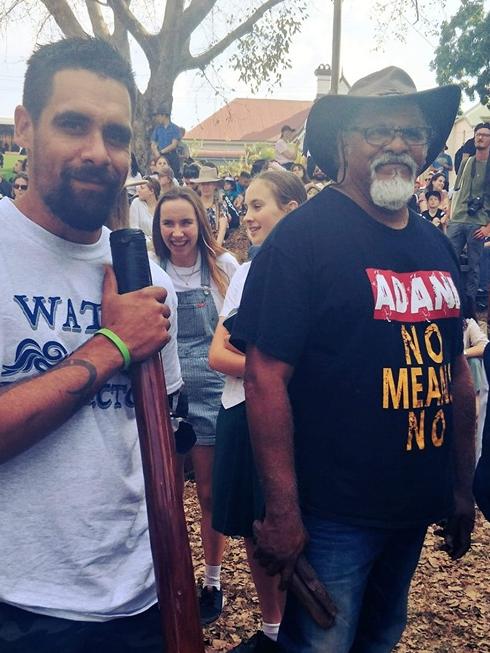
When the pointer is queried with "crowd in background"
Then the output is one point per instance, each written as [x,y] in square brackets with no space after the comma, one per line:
[188,210]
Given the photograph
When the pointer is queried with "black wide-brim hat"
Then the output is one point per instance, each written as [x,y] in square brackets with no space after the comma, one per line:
[391,86]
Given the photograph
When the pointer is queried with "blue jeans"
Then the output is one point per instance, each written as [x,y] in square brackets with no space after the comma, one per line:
[367,572]
[461,234]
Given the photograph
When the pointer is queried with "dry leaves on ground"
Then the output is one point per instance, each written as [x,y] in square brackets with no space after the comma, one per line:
[449,608]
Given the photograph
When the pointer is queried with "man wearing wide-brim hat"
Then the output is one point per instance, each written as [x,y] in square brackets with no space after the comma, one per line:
[358,395]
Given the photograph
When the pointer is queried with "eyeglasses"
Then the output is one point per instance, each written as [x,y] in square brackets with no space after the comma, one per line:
[382,135]
[20,187]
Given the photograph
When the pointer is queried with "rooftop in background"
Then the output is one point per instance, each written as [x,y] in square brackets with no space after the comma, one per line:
[251,119]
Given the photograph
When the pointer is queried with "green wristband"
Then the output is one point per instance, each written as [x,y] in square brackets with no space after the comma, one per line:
[120,344]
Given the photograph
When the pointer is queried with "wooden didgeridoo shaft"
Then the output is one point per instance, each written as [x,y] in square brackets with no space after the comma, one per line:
[169,541]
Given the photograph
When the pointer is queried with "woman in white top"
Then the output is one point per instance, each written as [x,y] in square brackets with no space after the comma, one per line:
[201,271]
[237,496]
[143,207]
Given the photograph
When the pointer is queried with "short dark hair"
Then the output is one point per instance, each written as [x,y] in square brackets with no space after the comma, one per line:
[245,174]
[286,128]
[482,125]
[81,53]
[433,193]
[190,171]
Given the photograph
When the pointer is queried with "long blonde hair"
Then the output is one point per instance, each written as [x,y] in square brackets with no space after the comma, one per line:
[208,247]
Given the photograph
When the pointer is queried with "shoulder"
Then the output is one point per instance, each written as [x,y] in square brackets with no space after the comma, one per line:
[7,207]
[161,278]
[324,216]
[228,263]
[240,275]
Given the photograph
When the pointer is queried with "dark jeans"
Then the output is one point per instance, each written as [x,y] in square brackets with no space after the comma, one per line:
[26,632]
[461,234]
[367,572]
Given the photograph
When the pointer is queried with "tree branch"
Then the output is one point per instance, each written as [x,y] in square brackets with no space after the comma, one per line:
[195,13]
[145,40]
[64,17]
[244,28]
[98,24]
[173,12]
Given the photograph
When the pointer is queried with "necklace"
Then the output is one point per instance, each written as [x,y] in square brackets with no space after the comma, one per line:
[185,277]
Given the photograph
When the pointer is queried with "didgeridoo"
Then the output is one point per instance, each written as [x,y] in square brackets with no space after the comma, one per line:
[169,541]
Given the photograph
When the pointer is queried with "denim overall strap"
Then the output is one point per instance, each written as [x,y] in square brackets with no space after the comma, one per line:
[197,319]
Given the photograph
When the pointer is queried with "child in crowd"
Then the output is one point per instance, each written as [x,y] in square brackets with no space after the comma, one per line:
[433,213]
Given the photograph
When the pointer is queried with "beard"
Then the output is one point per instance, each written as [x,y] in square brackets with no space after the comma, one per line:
[85,210]
[392,194]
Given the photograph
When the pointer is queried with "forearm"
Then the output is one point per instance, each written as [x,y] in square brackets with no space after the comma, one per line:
[476,351]
[32,409]
[222,228]
[463,394]
[222,359]
[271,432]
[169,148]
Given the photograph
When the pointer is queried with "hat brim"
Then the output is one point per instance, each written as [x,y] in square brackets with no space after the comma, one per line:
[211,181]
[330,114]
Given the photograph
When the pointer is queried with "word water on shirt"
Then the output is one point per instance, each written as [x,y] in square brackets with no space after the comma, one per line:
[425,380]
[36,354]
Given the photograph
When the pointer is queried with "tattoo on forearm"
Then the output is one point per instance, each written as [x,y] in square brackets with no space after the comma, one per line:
[86,388]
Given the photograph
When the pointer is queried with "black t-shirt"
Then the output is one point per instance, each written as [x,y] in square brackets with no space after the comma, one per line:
[368,316]
[438,215]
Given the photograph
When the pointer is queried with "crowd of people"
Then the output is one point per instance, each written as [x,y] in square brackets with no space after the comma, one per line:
[329,458]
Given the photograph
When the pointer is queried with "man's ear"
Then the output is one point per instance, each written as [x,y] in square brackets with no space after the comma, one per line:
[24,128]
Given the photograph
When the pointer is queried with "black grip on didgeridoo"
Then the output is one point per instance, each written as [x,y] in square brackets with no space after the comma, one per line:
[130,260]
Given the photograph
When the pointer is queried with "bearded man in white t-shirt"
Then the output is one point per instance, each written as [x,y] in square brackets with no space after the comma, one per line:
[76,572]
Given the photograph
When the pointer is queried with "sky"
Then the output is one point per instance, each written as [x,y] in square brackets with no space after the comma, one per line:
[195,99]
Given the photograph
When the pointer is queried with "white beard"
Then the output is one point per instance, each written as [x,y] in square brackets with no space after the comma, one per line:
[392,194]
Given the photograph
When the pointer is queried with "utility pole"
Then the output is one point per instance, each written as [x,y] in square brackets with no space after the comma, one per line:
[337,27]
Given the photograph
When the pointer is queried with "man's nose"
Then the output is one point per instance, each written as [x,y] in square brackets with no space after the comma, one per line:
[95,148]
[398,144]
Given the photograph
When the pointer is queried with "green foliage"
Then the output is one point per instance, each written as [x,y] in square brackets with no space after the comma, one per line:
[463,53]
[262,55]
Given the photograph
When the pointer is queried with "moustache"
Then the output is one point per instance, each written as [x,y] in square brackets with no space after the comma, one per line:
[92,174]
[395,159]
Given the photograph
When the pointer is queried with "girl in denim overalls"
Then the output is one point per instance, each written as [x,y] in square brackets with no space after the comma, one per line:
[200,270]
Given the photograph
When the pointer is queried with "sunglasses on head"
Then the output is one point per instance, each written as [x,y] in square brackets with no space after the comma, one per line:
[20,187]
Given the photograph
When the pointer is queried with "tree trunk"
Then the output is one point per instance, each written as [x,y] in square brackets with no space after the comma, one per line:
[159,92]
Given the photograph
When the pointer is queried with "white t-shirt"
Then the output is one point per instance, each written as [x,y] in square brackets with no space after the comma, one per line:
[282,148]
[472,334]
[234,392]
[73,528]
[140,217]
[190,278]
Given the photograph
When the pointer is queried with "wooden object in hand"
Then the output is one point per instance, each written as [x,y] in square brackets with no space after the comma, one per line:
[169,541]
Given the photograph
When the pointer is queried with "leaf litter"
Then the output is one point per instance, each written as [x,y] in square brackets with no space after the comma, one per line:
[449,607]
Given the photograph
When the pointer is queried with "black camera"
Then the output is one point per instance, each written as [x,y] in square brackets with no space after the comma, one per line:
[474,205]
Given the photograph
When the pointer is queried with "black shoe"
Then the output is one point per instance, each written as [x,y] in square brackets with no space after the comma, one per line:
[210,604]
[258,643]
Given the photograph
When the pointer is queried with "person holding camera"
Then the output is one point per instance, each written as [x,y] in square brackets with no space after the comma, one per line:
[470,211]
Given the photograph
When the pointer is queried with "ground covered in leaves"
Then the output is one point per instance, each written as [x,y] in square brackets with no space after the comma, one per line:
[449,604]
